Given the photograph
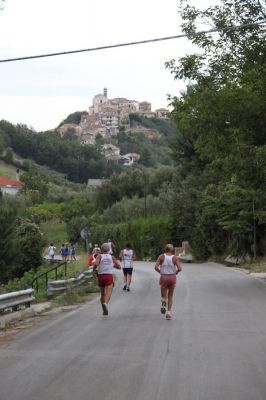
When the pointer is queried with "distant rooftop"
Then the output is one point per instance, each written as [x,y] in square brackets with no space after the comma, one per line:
[6,182]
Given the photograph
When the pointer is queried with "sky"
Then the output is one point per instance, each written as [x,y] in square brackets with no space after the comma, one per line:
[40,93]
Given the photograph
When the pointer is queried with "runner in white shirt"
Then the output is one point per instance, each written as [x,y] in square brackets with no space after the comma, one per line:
[111,246]
[168,266]
[127,256]
[103,268]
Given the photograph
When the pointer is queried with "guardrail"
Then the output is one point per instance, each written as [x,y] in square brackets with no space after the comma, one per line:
[15,299]
[63,285]
[25,297]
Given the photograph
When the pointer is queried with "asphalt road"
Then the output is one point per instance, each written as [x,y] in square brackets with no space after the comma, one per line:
[213,349]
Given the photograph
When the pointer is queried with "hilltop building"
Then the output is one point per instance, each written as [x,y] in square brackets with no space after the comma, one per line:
[104,118]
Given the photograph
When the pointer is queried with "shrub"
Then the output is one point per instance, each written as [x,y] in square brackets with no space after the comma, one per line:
[147,236]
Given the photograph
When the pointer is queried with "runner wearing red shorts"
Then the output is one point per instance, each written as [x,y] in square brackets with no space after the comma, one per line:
[168,266]
[103,267]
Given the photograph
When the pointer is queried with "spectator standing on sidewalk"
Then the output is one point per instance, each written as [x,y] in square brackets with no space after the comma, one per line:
[62,251]
[67,252]
[51,251]
[72,252]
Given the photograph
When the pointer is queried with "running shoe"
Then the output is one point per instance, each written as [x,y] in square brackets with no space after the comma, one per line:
[128,289]
[169,316]
[125,287]
[105,309]
[163,307]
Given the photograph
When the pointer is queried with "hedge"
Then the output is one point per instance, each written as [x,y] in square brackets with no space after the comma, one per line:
[147,236]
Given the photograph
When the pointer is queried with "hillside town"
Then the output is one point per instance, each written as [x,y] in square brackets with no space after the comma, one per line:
[105,116]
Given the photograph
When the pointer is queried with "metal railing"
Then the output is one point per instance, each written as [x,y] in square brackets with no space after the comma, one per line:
[15,299]
[63,285]
[36,280]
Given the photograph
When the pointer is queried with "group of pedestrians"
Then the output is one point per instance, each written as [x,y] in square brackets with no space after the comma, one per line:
[104,262]
[67,252]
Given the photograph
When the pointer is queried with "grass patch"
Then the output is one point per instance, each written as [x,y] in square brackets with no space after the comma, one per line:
[256,266]
[54,232]
[76,295]
[7,170]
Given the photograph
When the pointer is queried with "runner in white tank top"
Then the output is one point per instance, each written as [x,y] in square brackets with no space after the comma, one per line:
[103,268]
[106,265]
[127,256]
[168,266]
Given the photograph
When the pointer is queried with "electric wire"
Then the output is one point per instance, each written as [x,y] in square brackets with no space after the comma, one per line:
[130,43]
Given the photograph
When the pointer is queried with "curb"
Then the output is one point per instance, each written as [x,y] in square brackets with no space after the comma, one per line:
[32,311]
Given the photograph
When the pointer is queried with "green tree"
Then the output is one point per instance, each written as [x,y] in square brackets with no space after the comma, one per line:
[8,251]
[221,117]
[8,157]
[29,246]
[2,141]
[74,118]
[80,206]
[35,185]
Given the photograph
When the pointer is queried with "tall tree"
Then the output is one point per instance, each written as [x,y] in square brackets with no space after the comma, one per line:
[8,252]
[222,115]
[35,184]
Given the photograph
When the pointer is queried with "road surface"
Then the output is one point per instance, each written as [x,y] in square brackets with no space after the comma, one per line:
[213,349]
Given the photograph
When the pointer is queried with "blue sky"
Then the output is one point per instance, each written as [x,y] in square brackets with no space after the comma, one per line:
[42,92]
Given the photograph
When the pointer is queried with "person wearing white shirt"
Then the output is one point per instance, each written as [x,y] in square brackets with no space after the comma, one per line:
[168,266]
[103,268]
[127,256]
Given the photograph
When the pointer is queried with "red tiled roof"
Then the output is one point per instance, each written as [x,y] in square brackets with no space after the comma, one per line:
[4,181]
[96,126]
[89,118]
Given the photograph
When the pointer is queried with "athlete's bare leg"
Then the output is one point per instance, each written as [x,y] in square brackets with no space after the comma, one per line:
[108,293]
[164,293]
[128,280]
[103,294]
[170,297]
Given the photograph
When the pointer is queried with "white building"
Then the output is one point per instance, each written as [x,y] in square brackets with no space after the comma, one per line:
[10,186]
[97,102]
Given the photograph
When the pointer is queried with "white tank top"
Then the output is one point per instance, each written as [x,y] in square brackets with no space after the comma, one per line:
[168,267]
[106,265]
[127,258]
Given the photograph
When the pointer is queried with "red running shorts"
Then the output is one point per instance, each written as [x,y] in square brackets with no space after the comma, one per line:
[167,281]
[105,280]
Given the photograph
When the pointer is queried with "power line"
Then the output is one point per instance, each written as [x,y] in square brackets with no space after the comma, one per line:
[61,53]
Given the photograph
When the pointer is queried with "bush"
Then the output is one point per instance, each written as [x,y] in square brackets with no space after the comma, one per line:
[43,212]
[147,236]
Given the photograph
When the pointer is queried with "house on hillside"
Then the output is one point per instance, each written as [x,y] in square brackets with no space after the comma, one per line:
[144,107]
[10,186]
[162,113]
[128,159]
[96,182]
[111,152]
[76,129]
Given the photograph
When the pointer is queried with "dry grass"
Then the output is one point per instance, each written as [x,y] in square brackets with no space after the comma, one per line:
[256,266]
